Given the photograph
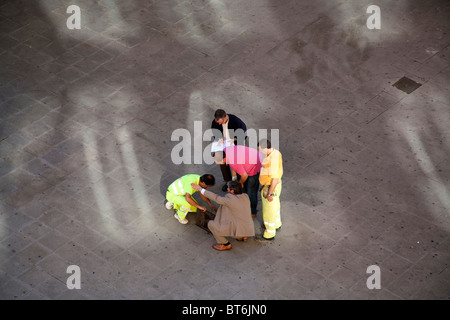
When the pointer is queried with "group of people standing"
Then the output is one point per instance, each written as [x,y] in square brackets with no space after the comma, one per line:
[246,172]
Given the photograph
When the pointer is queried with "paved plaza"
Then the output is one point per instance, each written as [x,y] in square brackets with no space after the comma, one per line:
[86,123]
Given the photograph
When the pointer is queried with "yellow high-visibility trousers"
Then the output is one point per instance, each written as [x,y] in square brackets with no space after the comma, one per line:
[271,212]
[180,204]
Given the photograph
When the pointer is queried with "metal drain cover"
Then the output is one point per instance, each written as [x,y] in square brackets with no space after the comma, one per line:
[406,85]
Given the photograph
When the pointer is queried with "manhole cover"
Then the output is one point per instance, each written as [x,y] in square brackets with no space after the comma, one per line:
[406,85]
[202,219]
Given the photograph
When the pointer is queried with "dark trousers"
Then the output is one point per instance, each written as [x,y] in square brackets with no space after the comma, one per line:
[226,172]
[251,186]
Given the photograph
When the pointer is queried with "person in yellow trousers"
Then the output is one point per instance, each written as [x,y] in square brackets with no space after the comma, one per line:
[270,180]
[179,195]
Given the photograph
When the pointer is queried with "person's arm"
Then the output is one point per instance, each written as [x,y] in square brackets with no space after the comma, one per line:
[191,201]
[243,126]
[272,187]
[237,124]
[213,207]
[274,171]
[210,195]
[244,177]
[238,169]
[241,171]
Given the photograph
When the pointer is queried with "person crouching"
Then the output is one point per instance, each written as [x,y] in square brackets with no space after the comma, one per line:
[233,218]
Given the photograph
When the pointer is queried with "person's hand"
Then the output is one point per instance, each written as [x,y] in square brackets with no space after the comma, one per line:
[195,186]
[202,208]
[269,198]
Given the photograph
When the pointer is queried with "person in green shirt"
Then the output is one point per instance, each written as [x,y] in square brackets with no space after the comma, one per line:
[179,195]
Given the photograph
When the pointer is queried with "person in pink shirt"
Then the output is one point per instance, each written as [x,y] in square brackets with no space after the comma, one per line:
[245,162]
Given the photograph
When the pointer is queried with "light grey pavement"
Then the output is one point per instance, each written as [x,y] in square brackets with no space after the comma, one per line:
[86,119]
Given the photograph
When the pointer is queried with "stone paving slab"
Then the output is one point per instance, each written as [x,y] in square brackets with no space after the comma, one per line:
[86,123]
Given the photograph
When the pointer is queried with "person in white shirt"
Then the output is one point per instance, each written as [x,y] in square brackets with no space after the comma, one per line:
[228,126]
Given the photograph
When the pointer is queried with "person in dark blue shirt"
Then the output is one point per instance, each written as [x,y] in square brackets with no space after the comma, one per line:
[230,127]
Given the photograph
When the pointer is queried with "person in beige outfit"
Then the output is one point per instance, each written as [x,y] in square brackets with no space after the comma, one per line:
[233,218]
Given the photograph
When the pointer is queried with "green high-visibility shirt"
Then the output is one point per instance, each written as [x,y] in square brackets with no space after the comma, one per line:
[182,185]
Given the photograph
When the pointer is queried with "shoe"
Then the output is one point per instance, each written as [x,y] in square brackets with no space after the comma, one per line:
[182,221]
[265,240]
[222,247]
[169,205]
[242,239]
